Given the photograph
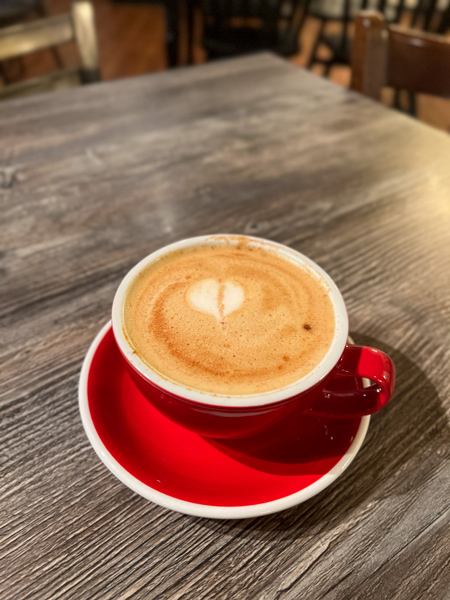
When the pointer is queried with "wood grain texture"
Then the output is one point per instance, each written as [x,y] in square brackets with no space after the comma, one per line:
[94,179]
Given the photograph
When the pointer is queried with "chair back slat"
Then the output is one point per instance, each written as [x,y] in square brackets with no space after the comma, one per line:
[405,59]
[418,62]
[423,13]
[381,6]
[399,10]
[19,40]
[49,32]
[444,21]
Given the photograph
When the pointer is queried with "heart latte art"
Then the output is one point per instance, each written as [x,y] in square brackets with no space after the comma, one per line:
[229,319]
[214,298]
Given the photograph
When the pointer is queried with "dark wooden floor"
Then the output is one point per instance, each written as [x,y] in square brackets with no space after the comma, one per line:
[131,40]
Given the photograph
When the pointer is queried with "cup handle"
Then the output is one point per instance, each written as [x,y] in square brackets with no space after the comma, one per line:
[345,395]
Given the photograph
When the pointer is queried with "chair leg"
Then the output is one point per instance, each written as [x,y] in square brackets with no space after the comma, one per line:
[405,102]
[312,58]
[412,104]
[172,32]
[327,68]
[190,6]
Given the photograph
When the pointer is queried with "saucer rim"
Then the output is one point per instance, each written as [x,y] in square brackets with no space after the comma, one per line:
[191,508]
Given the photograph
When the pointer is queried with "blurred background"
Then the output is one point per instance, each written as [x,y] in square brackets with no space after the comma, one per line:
[134,38]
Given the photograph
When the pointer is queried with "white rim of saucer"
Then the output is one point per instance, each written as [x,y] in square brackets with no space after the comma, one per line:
[178,389]
[191,508]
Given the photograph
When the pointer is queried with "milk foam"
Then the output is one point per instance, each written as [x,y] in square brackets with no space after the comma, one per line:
[229,319]
[215,298]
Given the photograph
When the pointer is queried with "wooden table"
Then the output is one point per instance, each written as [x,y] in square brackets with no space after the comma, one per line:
[92,180]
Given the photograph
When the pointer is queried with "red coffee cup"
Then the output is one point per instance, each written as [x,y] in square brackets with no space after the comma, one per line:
[336,387]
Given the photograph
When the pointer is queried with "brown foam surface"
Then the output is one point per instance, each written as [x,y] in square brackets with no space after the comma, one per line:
[229,319]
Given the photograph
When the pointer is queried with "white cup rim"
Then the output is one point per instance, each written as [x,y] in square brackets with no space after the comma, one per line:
[180,390]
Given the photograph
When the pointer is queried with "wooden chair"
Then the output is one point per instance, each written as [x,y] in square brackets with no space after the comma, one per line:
[431,15]
[12,12]
[236,27]
[421,14]
[19,40]
[343,12]
[404,59]
[444,22]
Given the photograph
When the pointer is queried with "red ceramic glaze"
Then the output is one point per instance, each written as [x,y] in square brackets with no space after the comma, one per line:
[181,464]
[219,422]
[340,395]
[345,395]
[333,388]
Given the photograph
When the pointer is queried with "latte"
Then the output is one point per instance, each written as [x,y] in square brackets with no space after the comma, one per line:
[229,318]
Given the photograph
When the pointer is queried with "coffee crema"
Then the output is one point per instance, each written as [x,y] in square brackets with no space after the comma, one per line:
[230,319]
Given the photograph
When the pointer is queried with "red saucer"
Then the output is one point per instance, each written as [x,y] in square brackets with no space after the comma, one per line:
[181,470]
